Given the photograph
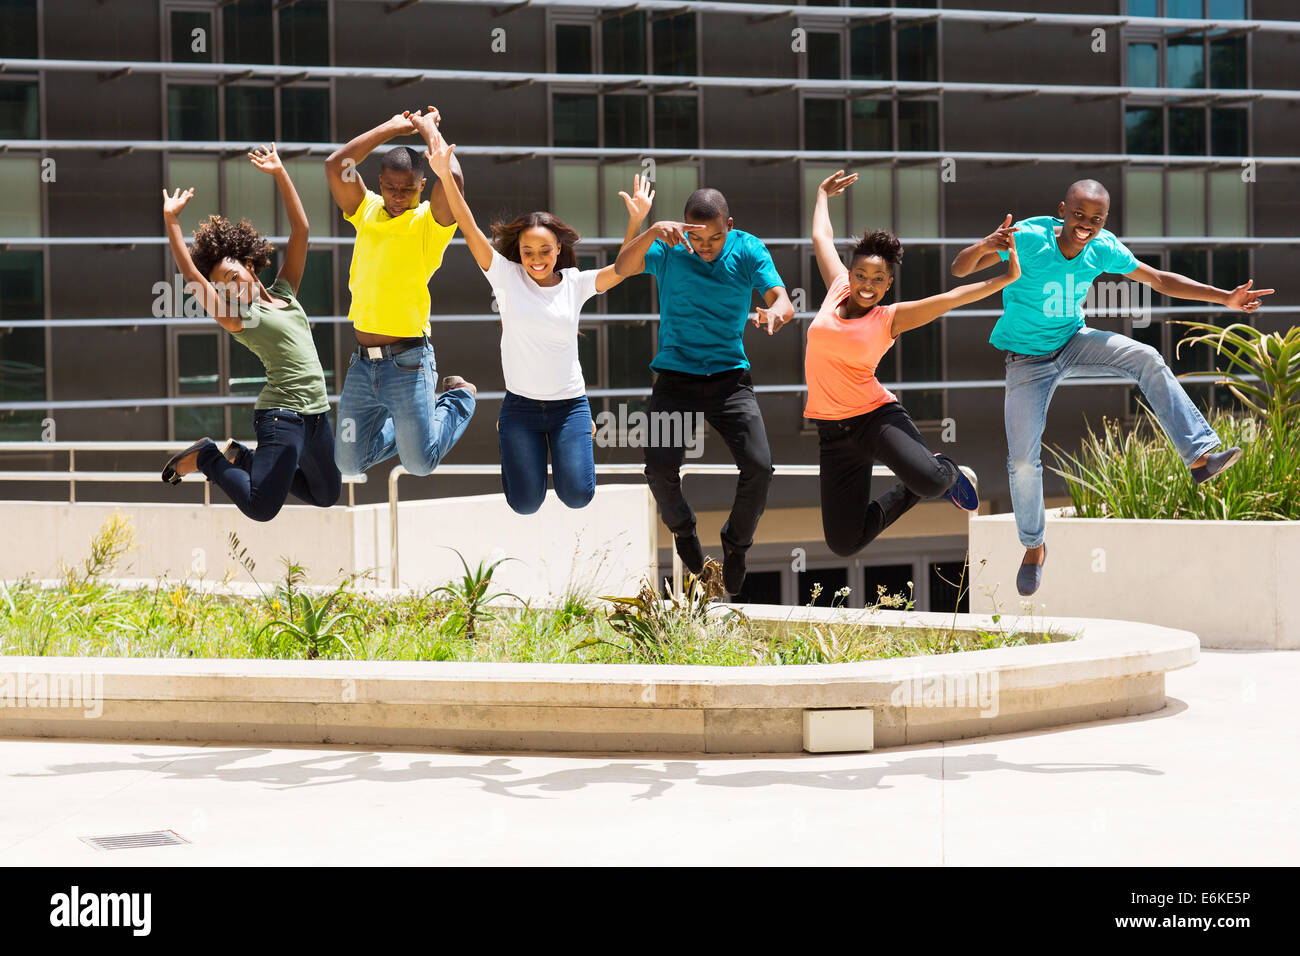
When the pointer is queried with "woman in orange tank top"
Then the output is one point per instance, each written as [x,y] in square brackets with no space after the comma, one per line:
[859,421]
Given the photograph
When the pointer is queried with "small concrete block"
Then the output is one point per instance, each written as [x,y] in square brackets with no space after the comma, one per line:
[838,731]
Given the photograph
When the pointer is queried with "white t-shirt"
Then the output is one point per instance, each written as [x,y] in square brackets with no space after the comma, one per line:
[539,329]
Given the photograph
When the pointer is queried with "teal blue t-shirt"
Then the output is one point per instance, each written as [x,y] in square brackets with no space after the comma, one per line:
[1044,307]
[703,306]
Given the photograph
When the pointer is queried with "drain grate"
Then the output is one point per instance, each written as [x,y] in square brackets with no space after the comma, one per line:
[130,841]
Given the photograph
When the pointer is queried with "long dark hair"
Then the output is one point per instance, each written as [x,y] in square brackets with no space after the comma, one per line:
[505,237]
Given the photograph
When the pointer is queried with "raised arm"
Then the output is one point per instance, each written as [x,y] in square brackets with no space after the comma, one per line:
[214,304]
[982,254]
[911,315]
[631,257]
[426,124]
[638,207]
[267,160]
[440,157]
[1241,299]
[341,166]
[829,263]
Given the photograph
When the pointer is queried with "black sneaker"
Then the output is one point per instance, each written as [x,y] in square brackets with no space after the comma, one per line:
[690,551]
[733,569]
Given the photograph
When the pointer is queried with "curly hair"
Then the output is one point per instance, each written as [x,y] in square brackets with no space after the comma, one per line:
[218,238]
[882,244]
[505,237]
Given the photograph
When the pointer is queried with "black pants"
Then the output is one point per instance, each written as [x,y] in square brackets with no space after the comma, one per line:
[727,402]
[294,454]
[848,449]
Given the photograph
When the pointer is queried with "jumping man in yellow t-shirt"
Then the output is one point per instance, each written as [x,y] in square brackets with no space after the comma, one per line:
[389,402]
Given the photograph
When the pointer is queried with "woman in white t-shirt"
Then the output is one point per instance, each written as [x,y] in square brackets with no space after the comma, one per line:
[540,292]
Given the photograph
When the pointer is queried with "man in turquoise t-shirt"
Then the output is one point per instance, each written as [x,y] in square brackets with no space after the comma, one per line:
[1042,331]
[707,273]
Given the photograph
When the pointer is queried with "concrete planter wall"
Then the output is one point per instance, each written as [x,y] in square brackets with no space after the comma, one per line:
[1236,584]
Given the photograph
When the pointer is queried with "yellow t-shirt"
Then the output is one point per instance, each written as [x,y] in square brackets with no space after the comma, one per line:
[392,263]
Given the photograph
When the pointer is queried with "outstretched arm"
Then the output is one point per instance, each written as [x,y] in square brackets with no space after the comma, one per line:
[911,315]
[1241,299]
[195,281]
[267,160]
[341,165]
[638,207]
[829,263]
[440,157]
[982,254]
[426,124]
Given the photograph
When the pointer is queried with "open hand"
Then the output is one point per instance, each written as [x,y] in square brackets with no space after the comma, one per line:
[638,204]
[172,205]
[1244,298]
[837,182]
[266,159]
[1001,239]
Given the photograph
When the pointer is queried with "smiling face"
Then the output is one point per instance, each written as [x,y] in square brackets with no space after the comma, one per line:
[539,250]
[236,283]
[400,190]
[869,279]
[1084,216]
[709,241]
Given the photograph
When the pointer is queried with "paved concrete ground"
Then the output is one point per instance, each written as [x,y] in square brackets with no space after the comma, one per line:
[1211,779]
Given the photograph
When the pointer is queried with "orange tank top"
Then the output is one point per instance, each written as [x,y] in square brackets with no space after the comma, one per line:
[841,358]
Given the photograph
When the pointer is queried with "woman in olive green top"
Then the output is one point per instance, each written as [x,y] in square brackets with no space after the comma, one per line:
[295,444]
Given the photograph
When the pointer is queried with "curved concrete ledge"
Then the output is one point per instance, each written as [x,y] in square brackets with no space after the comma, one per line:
[1112,669]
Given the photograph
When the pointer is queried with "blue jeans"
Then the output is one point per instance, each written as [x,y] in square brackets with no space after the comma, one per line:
[1031,380]
[527,428]
[294,455]
[391,406]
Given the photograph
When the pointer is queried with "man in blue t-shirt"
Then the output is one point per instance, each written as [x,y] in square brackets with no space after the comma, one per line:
[707,273]
[1042,331]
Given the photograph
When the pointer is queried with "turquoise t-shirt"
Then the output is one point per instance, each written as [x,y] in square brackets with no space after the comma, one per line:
[703,306]
[1044,307]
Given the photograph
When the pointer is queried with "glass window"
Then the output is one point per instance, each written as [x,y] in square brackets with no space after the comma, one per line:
[893,578]
[572,48]
[631,347]
[1144,193]
[626,120]
[305,33]
[250,194]
[813,174]
[831,580]
[250,114]
[196,369]
[574,190]
[1227,9]
[589,355]
[674,43]
[191,29]
[1229,197]
[869,51]
[617,176]
[314,192]
[1186,202]
[1228,132]
[20,185]
[20,112]
[871,125]
[921,353]
[623,39]
[872,199]
[823,124]
[918,124]
[1191,358]
[574,119]
[918,58]
[1185,62]
[918,203]
[1187,131]
[1183,9]
[760,587]
[673,186]
[1228,63]
[22,351]
[677,122]
[1142,132]
[1143,64]
[305,114]
[823,56]
[950,587]
[191,112]
[1142,8]
[201,173]
[18,29]
[246,32]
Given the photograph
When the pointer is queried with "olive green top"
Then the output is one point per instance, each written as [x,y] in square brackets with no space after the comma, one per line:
[281,339]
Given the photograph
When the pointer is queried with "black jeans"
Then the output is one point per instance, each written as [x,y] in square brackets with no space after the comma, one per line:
[727,401]
[848,449]
[294,454]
